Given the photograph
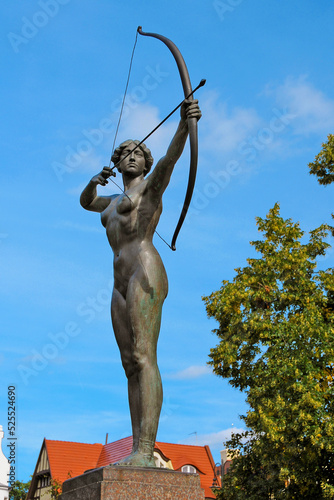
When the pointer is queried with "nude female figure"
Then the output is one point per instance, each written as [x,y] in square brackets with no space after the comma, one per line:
[140,280]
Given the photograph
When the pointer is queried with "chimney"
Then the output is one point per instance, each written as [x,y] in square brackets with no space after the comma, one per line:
[225,456]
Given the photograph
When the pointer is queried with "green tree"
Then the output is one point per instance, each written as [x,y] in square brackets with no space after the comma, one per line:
[56,488]
[19,490]
[323,165]
[276,331]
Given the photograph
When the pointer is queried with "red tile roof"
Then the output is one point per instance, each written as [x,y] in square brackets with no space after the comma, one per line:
[68,459]
[113,452]
[198,456]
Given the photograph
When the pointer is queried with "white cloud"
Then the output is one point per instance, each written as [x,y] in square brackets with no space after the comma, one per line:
[93,163]
[242,132]
[225,129]
[215,440]
[313,110]
[222,129]
[191,372]
[140,122]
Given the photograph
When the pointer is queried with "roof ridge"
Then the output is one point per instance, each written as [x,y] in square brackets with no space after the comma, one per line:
[121,439]
[71,442]
[118,440]
[182,444]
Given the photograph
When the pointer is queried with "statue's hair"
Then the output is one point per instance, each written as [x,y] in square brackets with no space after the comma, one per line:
[147,154]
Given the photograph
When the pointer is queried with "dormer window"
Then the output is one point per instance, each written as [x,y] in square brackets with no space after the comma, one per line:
[189,468]
[161,462]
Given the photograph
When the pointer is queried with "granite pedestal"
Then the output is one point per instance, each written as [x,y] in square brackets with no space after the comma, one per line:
[124,483]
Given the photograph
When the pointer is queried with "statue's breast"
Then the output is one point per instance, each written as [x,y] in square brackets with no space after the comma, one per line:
[118,211]
[107,213]
[124,205]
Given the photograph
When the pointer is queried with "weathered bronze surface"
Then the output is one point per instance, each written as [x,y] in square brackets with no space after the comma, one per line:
[140,280]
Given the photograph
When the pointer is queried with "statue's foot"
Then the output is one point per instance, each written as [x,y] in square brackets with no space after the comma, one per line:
[137,459]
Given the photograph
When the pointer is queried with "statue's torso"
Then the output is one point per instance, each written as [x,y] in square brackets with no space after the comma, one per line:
[130,220]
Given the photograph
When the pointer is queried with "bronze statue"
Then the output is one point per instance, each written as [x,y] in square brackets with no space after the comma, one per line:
[140,280]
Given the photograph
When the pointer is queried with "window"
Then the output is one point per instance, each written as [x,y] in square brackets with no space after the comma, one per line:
[159,464]
[159,461]
[44,481]
[189,468]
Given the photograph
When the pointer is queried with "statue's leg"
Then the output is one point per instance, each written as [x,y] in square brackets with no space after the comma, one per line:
[124,340]
[145,297]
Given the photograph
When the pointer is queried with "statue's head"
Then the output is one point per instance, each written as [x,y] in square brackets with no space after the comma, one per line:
[147,154]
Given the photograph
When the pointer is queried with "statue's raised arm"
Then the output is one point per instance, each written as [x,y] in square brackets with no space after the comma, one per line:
[160,177]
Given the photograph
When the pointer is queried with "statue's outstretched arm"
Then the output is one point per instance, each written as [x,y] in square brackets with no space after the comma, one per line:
[89,199]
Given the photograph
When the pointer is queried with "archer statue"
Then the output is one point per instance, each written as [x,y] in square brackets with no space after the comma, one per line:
[140,280]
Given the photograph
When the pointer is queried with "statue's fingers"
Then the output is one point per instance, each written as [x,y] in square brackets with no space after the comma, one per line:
[194,113]
[102,180]
[193,107]
[106,172]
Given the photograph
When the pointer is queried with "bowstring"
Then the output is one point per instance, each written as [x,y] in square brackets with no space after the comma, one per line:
[124,97]
[113,146]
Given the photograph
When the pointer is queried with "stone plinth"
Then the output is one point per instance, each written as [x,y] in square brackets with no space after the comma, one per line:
[123,483]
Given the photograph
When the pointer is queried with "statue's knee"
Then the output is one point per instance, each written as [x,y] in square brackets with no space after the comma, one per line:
[136,362]
[128,366]
[142,360]
[129,370]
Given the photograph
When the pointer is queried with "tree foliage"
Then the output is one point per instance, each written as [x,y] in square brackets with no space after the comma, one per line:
[276,331]
[323,165]
[19,490]
[56,488]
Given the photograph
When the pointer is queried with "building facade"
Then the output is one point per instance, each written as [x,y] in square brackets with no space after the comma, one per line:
[4,471]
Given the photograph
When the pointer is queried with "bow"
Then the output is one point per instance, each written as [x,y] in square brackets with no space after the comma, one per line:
[192,127]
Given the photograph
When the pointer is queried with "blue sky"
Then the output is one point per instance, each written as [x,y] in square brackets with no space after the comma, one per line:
[267,106]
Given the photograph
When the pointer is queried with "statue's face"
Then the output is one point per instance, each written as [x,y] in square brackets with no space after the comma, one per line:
[133,164]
